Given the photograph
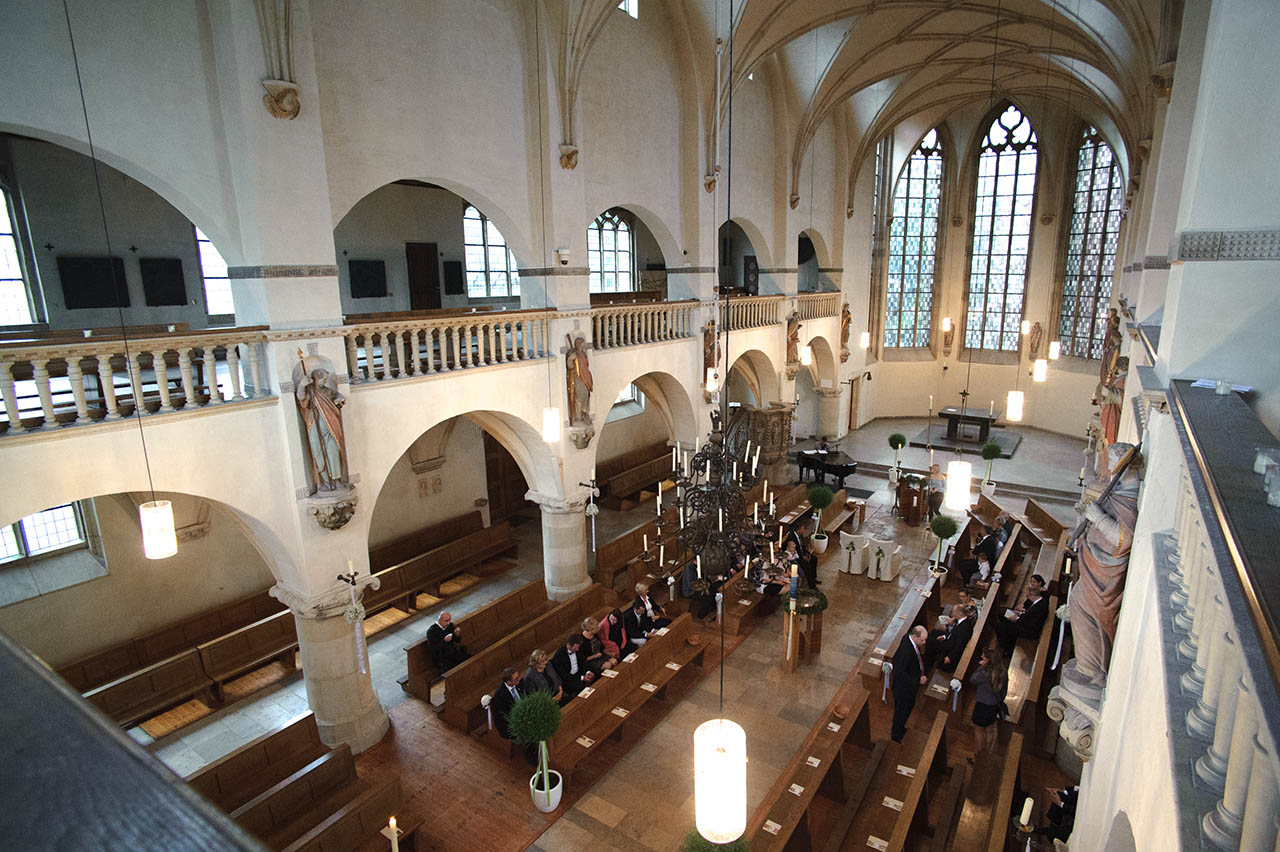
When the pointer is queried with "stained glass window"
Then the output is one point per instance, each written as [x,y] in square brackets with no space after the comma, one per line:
[1091,247]
[913,247]
[491,266]
[15,307]
[1001,232]
[610,255]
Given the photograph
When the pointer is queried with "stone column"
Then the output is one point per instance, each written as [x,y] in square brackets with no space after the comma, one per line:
[341,696]
[829,413]
[564,543]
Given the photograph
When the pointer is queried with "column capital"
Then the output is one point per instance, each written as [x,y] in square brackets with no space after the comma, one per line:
[329,603]
[828,393]
[573,502]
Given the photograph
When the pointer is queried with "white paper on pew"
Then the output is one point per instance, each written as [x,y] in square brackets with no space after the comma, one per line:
[744,601]
[795,789]
[586,692]
[772,827]
[879,652]
[586,742]
[812,761]
[1011,614]
[620,712]
[629,658]
[834,727]
[891,802]
[876,661]
[609,673]
[939,688]
[908,771]
[675,667]
[876,843]
[648,687]
[663,631]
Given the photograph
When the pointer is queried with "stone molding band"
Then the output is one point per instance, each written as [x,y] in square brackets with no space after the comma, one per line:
[831,269]
[779,270]
[546,271]
[691,270]
[284,271]
[1151,261]
[1226,245]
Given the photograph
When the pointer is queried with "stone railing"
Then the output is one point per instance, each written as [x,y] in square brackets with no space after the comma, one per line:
[754,312]
[815,305]
[631,325]
[380,351]
[53,382]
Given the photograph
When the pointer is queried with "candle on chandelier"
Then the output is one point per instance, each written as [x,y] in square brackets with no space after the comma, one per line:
[931,457]
[755,513]
[735,471]
[992,409]
[770,551]
[720,521]
[699,566]
[662,554]
[708,469]
[659,498]
[765,490]
[646,542]
[674,451]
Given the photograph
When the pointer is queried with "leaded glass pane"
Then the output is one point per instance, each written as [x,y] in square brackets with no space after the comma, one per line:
[913,246]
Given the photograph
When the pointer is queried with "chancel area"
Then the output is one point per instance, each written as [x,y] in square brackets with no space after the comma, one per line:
[650,425]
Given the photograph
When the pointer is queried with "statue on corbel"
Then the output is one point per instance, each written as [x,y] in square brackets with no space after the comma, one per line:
[276,31]
[710,355]
[793,345]
[846,320]
[332,499]
[568,157]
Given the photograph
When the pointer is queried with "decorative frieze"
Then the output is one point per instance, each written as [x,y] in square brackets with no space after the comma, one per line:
[1227,245]
[284,271]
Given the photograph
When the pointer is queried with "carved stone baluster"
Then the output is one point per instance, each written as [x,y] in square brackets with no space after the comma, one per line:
[429,349]
[189,400]
[1184,621]
[1258,831]
[211,374]
[1211,768]
[11,411]
[451,358]
[162,379]
[413,355]
[76,375]
[256,385]
[391,355]
[133,363]
[233,371]
[353,358]
[107,380]
[1222,826]
[1201,718]
[502,342]
[40,372]
[1209,619]
[633,326]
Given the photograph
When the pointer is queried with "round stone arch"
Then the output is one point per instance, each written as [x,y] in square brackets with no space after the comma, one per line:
[759,244]
[761,376]
[666,394]
[823,367]
[662,235]
[820,250]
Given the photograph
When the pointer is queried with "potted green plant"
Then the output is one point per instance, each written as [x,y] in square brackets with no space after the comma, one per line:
[944,527]
[820,498]
[897,440]
[695,842]
[990,451]
[535,719]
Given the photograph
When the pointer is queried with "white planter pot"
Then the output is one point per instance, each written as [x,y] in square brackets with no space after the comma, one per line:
[989,488]
[540,800]
[820,543]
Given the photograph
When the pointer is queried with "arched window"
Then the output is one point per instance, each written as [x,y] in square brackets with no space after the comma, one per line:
[1005,196]
[491,266]
[913,247]
[217,286]
[1091,248]
[610,255]
[15,306]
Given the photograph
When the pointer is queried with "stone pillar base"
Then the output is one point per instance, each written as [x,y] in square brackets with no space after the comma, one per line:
[342,697]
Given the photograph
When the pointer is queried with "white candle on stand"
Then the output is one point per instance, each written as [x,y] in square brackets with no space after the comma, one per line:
[755,513]
[931,457]
[930,402]
[735,471]
[770,551]
[395,835]
[593,473]
[720,513]
[659,498]
[662,554]
[992,409]
[646,542]
[1026,812]
[699,566]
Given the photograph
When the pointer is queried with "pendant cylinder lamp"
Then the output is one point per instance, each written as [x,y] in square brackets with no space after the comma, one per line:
[946,324]
[1013,408]
[959,479]
[806,355]
[551,425]
[720,780]
[1055,350]
[864,340]
[1040,370]
[1026,327]
[159,540]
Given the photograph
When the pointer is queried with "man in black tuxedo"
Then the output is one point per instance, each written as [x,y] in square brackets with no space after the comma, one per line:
[808,560]
[989,544]
[504,698]
[571,664]
[946,647]
[908,677]
[444,643]
[636,625]
[1027,623]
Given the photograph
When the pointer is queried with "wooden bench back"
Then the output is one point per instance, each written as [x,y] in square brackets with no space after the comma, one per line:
[612,557]
[836,507]
[286,800]
[235,778]
[407,547]
[355,822]
[1043,524]
[910,612]
[637,478]
[228,655]
[787,499]
[986,510]
[989,604]
[632,458]
[426,569]
[152,689]
[932,759]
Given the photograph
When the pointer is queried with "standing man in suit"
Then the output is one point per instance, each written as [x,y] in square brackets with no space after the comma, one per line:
[946,647]
[808,560]
[1027,623]
[504,698]
[571,664]
[908,677]
[444,643]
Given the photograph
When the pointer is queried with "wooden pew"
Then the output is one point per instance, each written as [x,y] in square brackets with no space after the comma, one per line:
[589,719]
[480,630]
[631,482]
[403,582]
[424,540]
[119,660]
[1041,524]
[1028,684]
[920,605]
[986,510]
[782,819]
[737,607]
[465,683]
[984,814]
[925,759]
[272,638]
[610,468]
[357,822]
[612,558]
[278,814]
[151,690]
[234,779]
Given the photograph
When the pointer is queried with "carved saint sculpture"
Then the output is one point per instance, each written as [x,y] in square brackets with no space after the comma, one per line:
[320,407]
[1110,398]
[710,348]
[793,338]
[1104,562]
[578,379]
[846,319]
[1110,348]
[1037,337]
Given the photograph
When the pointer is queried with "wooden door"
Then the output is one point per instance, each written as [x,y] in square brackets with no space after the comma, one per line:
[423,260]
[506,482]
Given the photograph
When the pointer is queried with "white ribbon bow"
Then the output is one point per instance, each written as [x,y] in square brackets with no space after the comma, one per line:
[885,667]
[484,702]
[955,693]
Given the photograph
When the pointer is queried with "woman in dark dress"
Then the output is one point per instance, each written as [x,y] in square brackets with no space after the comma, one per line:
[992,682]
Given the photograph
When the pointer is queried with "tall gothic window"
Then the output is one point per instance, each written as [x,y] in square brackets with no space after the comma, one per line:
[491,266]
[610,255]
[1001,232]
[1091,248]
[15,307]
[913,247]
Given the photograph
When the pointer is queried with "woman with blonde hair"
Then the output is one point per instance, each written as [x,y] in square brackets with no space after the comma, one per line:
[992,682]
[540,677]
[593,647]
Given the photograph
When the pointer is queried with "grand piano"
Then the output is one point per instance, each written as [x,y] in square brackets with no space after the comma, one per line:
[824,463]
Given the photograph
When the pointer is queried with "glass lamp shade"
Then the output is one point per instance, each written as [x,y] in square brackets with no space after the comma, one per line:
[1040,370]
[946,324]
[720,780]
[864,340]
[1026,327]
[712,385]
[1013,409]
[806,355]
[159,540]
[959,476]
[551,425]
[1055,350]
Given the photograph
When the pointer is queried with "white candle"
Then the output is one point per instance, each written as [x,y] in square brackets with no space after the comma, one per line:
[931,457]
[708,469]
[720,513]
[662,554]
[765,492]
[931,402]
[755,513]
[351,568]
[673,456]
[682,517]
[395,835]
[659,498]
[1026,811]
[593,473]
[770,551]
[735,471]
[992,409]
[646,542]
[772,510]
[699,566]
[1082,473]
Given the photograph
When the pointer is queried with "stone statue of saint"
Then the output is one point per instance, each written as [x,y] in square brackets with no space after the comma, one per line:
[1110,398]
[1110,348]
[710,348]
[793,338]
[578,378]
[1037,337]
[1104,562]
[846,319]
[320,406]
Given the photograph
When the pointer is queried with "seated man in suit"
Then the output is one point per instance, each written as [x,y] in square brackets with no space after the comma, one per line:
[701,594]
[636,625]
[990,544]
[504,698]
[444,643]
[1027,623]
[653,611]
[945,647]
[571,664]
[799,535]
